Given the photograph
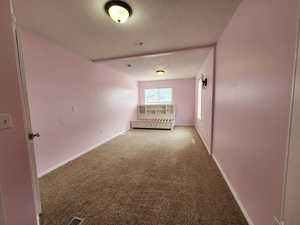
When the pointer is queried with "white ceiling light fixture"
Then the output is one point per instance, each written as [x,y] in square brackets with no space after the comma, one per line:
[160,72]
[118,11]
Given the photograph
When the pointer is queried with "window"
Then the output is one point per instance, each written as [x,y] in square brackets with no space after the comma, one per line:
[158,96]
[199,110]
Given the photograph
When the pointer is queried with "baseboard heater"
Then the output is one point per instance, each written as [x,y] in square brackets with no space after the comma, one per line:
[155,117]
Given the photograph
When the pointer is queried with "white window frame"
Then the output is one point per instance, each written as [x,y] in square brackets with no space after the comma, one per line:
[158,102]
[199,103]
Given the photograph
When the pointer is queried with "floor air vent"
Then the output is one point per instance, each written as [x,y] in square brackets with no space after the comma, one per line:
[76,221]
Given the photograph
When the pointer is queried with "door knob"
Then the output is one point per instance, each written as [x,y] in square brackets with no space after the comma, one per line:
[31,136]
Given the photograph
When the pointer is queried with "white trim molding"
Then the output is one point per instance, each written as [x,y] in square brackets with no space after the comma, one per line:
[235,195]
[80,154]
[184,125]
[291,108]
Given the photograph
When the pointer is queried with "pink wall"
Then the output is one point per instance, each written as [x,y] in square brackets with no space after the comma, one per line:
[15,179]
[204,126]
[253,84]
[183,97]
[75,104]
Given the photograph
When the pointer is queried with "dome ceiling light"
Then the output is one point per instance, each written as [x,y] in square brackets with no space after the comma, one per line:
[160,72]
[118,11]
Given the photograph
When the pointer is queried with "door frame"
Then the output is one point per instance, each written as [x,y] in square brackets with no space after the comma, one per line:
[26,112]
[2,218]
[296,75]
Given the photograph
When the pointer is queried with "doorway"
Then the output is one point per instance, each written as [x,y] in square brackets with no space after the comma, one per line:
[27,119]
[291,200]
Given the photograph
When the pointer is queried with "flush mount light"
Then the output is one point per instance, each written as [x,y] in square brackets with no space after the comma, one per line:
[160,72]
[118,11]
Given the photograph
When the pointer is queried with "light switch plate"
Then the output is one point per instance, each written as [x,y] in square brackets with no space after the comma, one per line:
[5,121]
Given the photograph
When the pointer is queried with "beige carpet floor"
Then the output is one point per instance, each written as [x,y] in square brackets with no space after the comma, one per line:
[144,177]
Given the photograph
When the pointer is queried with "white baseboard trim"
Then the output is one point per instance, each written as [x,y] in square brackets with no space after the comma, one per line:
[80,154]
[184,125]
[205,144]
[243,209]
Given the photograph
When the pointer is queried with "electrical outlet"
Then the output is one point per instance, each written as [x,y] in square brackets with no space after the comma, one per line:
[5,121]
[277,221]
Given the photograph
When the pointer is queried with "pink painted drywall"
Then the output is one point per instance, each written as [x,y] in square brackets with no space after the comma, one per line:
[255,57]
[183,97]
[15,179]
[204,126]
[75,104]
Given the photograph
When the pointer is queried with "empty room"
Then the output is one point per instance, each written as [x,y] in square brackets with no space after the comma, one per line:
[139,112]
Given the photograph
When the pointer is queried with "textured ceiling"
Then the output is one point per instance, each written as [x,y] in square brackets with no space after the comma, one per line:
[177,65]
[83,27]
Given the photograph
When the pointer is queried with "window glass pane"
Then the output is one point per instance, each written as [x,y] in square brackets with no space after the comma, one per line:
[158,96]
[151,96]
[165,95]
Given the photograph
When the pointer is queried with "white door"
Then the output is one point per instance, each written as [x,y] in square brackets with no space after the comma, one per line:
[291,205]
[28,128]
